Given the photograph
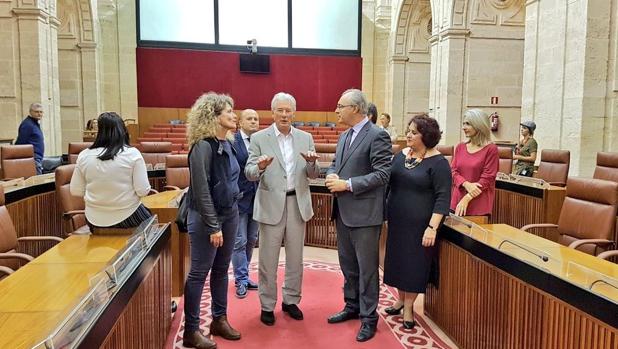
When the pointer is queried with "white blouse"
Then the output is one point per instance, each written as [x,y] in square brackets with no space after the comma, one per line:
[111,188]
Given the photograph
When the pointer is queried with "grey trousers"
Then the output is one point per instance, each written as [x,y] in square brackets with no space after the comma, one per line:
[359,259]
[290,229]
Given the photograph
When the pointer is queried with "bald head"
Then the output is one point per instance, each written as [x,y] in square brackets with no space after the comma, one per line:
[249,121]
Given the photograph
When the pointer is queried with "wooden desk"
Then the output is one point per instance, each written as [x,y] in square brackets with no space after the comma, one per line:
[163,204]
[35,210]
[39,296]
[517,205]
[494,294]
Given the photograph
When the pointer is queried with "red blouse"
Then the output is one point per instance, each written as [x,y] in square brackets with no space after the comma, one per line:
[480,167]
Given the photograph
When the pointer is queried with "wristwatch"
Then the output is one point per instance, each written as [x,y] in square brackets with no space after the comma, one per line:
[431,227]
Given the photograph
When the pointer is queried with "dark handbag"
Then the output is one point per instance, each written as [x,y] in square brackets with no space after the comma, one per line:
[183,212]
[183,204]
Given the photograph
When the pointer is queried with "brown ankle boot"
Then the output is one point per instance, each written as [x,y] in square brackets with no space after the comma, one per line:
[195,339]
[220,327]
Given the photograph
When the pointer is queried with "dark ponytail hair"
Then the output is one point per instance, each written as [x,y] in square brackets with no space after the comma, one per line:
[112,135]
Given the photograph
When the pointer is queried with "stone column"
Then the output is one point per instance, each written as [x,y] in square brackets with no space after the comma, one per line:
[396,91]
[38,60]
[565,76]
[90,80]
[447,82]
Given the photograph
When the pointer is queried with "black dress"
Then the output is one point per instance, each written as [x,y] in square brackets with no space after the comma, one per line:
[414,195]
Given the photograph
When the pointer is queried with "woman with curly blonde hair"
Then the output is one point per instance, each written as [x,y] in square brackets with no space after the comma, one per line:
[212,216]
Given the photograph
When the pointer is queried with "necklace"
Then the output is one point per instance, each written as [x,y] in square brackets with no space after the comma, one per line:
[411,163]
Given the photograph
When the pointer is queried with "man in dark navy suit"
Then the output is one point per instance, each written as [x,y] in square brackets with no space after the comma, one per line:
[246,236]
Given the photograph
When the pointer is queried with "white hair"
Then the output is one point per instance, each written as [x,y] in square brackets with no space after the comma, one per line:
[357,98]
[34,106]
[283,97]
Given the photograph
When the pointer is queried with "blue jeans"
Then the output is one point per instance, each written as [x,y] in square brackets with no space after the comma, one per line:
[207,258]
[246,238]
[38,164]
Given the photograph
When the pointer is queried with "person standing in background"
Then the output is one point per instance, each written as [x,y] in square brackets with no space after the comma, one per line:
[247,227]
[525,151]
[372,113]
[29,132]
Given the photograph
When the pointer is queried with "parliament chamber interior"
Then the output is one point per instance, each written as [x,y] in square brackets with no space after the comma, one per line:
[537,269]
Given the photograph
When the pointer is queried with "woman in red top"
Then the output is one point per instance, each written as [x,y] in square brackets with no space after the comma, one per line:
[474,167]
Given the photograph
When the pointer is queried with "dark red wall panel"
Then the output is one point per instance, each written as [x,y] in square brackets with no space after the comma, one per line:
[174,78]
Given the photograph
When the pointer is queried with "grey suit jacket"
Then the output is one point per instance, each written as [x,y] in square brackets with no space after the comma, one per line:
[368,164]
[270,197]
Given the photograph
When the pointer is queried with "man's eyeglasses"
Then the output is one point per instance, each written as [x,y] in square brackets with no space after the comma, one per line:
[341,106]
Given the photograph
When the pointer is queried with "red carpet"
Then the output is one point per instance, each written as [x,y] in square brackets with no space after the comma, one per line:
[322,296]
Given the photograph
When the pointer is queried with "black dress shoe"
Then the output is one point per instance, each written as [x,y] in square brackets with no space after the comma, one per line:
[366,332]
[393,310]
[293,310]
[342,316]
[408,325]
[267,317]
[251,285]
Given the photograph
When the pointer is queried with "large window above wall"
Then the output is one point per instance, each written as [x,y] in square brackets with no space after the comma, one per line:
[279,26]
[165,21]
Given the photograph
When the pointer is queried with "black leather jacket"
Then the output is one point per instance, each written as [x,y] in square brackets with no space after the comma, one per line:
[209,192]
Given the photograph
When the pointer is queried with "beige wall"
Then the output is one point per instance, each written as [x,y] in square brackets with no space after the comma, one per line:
[552,61]
[69,55]
[569,85]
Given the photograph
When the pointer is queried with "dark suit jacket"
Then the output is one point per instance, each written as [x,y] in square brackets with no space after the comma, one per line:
[247,188]
[368,164]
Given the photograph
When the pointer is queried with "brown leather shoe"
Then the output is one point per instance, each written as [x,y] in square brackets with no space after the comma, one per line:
[220,327]
[195,339]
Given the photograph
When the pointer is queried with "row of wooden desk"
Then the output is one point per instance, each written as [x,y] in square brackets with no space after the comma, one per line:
[492,293]
[41,303]
[500,287]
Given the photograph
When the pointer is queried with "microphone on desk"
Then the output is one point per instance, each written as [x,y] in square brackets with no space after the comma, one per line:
[544,258]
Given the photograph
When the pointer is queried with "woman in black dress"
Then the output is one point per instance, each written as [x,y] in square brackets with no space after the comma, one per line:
[419,198]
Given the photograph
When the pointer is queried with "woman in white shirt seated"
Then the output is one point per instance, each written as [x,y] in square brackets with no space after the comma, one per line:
[111,176]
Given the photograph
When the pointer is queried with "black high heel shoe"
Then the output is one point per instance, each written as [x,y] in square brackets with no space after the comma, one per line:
[408,325]
[393,310]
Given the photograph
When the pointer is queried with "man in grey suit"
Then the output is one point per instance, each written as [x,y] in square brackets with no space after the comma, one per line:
[358,177]
[283,159]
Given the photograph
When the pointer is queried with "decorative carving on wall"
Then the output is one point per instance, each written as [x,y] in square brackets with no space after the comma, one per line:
[76,21]
[498,12]
[459,13]
[417,33]
[413,24]
[67,16]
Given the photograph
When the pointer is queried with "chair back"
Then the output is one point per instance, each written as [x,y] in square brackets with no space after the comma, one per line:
[75,148]
[8,235]
[446,151]
[68,202]
[155,152]
[607,166]
[554,166]
[177,170]
[17,161]
[588,212]
[506,159]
